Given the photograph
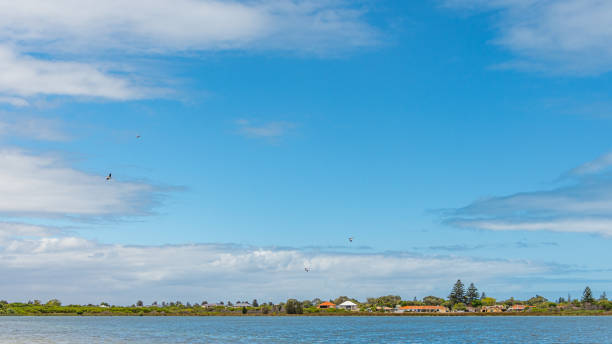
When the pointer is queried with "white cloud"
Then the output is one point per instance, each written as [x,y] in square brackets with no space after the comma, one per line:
[79,270]
[14,101]
[180,25]
[26,76]
[264,130]
[92,29]
[595,166]
[600,226]
[16,229]
[43,186]
[585,206]
[566,35]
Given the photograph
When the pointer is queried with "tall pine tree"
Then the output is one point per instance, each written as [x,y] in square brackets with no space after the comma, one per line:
[587,295]
[457,294]
[472,294]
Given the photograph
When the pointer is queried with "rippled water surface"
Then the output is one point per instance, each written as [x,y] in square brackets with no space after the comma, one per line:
[306,329]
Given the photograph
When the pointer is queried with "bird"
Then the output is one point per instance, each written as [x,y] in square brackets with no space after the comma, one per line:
[350,239]
[137,136]
[109,177]
[307,269]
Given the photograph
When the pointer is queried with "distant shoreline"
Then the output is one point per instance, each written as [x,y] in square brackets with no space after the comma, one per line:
[352,314]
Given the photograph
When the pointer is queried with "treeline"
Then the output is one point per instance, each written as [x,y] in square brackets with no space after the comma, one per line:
[460,299]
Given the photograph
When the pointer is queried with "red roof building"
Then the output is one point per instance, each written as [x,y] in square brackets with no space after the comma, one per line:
[326,305]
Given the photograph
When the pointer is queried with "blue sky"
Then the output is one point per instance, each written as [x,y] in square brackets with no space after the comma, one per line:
[453,139]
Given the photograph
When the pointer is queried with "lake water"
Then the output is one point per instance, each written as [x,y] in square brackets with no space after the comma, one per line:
[513,329]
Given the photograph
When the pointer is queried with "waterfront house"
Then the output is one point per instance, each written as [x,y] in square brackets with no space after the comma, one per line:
[422,309]
[242,304]
[517,308]
[213,305]
[347,305]
[492,309]
[326,305]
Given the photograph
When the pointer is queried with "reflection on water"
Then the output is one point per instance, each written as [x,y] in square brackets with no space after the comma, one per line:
[513,329]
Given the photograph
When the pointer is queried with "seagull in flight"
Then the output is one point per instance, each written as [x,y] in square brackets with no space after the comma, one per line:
[350,239]
[109,177]
[137,136]
[307,269]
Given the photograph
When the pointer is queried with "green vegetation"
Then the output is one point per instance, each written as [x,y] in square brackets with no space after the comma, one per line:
[459,302]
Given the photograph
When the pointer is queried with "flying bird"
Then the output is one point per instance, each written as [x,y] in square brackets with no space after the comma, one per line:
[350,239]
[109,177]
[137,136]
[307,269]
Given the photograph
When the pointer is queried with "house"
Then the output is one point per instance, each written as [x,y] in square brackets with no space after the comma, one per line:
[422,309]
[326,305]
[348,305]
[242,304]
[213,305]
[492,309]
[517,308]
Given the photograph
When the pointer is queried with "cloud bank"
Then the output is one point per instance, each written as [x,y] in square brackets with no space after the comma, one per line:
[159,26]
[583,206]
[39,264]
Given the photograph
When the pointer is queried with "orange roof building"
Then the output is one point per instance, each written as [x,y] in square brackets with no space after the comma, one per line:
[326,305]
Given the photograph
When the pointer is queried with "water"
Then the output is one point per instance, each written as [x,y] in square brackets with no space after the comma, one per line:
[514,329]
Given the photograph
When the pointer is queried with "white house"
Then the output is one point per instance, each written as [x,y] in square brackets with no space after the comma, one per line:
[348,305]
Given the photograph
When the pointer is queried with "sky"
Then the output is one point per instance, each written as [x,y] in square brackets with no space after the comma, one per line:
[452,139]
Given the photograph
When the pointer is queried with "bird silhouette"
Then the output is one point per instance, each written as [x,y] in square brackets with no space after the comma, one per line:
[109,177]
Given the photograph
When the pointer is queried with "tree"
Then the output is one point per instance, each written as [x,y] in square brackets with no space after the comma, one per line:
[244,310]
[389,300]
[603,297]
[54,302]
[293,306]
[433,300]
[204,303]
[460,306]
[536,300]
[488,301]
[457,294]
[139,303]
[587,295]
[472,294]
[255,303]
[340,299]
[483,295]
